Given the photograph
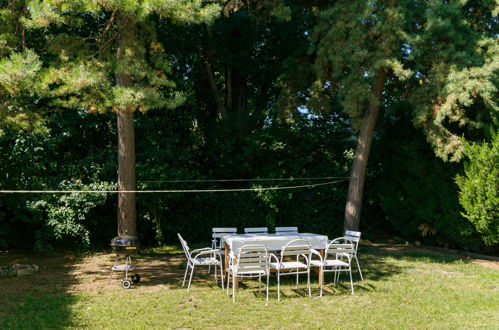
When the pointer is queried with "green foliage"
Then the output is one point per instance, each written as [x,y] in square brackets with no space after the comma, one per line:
[307,150]
[479,188]
[416,190]
[348,58]
[57,159]
[67,214]
[445,63]
[58,66]
[19,71]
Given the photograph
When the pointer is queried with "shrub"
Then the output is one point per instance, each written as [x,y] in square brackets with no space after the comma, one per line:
[479,188]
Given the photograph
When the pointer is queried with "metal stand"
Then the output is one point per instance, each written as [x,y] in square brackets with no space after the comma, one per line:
[127,282]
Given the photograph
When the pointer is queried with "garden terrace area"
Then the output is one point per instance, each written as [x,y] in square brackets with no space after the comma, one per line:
[404,285]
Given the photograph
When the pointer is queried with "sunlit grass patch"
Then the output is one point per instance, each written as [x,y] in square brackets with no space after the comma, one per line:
[403,289]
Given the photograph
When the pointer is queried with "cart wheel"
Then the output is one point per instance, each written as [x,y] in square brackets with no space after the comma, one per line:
[135,278]
[126,284]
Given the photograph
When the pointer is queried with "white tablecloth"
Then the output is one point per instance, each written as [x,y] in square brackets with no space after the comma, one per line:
[273,242]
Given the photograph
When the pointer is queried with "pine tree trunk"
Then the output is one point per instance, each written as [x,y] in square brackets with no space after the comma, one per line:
[126,136]
[357,176]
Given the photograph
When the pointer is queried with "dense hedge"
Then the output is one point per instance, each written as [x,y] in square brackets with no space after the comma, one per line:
[409,192]
[79,154]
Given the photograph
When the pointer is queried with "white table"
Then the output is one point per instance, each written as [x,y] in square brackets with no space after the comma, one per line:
[273,242]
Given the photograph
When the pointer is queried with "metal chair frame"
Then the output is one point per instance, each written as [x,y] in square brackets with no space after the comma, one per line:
[298,248]
[195,258]
[333,261]
[251,261]
[352,237]
[216,242]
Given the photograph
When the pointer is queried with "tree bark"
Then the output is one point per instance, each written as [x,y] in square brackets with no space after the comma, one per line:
[228,82]
[207,55]
[357,176]
[209,67]
[126,134]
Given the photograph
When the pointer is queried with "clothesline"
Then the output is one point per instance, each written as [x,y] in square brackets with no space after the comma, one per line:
[255,189]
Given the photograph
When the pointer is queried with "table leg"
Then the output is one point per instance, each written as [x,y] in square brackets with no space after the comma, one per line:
[226,262]
[321,251]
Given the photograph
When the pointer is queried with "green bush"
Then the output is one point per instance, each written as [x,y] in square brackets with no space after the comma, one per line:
[66,215]
[479,188]
[416,189]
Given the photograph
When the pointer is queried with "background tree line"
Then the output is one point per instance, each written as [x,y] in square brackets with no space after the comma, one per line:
[249,89]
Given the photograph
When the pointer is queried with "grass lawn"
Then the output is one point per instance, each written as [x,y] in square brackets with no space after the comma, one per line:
[405,287]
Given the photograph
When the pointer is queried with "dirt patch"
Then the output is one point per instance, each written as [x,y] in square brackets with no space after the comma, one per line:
[94,273]
[487,263]
[69,273]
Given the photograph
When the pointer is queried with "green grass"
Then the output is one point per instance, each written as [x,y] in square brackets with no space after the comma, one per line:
[403,289]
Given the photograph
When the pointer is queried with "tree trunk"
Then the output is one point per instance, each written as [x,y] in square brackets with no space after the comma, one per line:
[209,66]
[126,134]
[228,83]
[357,176]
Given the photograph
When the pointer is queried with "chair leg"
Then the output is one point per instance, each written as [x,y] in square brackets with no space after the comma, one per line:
[233,288]
[278,286]
[358,266]
[297,275]
[308,283]
[221,275]
[338,274]
[185,275]
[216,278]
[190,278]
[351,282]
[321,279]
[259,283]
[209,266]
[268,274]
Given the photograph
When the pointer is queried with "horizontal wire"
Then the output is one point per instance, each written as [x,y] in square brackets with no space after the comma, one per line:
[248,180]
[163,191]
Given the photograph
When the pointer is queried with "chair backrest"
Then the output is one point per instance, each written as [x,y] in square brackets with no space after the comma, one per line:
[286,230]
[252,259]
[296,247]
[256,230]
[339,249]
[218,232]
[353,236]
[184,246]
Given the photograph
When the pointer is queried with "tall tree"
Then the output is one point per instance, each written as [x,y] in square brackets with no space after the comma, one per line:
[434,52]
[104,56]
[358,45]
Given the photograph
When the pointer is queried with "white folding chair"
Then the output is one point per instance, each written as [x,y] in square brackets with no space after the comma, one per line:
[334,261]
[251,261]
[299,249]
[286,230]
[256,230]
[354,238]
[201,257]
[216,243]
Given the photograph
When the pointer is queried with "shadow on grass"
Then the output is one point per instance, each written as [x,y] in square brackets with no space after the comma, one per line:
[39,300]
[168,268]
